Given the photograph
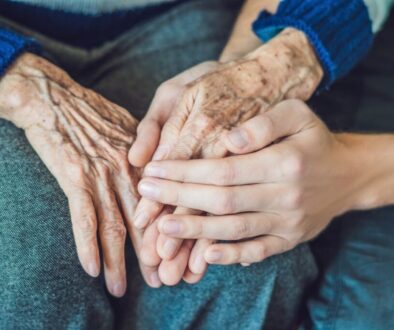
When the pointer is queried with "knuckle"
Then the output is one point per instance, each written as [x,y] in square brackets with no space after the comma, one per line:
[268,126]
[240,229]
[261,252]
[225,173]
[298,105]
[226,203]
[113,231]
[86,224]
[294,198]
[295,165]
[167,90]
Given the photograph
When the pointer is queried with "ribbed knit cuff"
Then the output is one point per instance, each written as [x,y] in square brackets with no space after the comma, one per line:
[339,30]
[11,46]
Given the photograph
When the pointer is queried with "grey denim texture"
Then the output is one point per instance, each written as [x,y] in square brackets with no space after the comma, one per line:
[42,285]
[355,255]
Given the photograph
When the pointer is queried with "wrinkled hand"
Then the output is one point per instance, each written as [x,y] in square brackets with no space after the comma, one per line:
[284,186]
[194,121]
[83,139]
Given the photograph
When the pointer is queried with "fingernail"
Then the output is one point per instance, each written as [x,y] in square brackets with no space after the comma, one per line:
[93,269]
[155,280]
[171,227]
[154,170]
[169,248]
[160,153]
[245,264]
[214,256]
[199,264]
[118,290]
[141,220]
[238,138]
[149,190]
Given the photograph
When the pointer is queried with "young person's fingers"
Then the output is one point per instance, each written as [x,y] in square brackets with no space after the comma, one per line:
[286,118]
[250,251]
[217,200]
[197,263]
[172,271]
[191,278]
[260,167]
[145,143]
[230,227]
[146,212]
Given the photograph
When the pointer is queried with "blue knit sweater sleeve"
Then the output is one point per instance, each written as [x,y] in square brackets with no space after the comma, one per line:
[339,30]
[11,46]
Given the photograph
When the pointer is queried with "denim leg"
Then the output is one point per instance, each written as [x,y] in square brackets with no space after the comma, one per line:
[42,285]
[355,290]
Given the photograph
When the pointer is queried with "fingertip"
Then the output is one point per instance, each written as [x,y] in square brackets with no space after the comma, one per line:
[149,258]
[138,155]
[117,289]
[191,278]
[93,269]
[237,140]
[169,274]
[214,255]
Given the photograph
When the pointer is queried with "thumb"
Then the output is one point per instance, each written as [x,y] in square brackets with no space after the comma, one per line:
[285,119]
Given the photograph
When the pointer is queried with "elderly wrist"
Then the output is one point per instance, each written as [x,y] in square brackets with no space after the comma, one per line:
[292,60]
[19,99]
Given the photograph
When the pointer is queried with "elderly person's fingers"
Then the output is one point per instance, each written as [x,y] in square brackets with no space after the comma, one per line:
[148,135]
[284,119]
[218,200]
[148,253]
[228,227]
[191,278]
[251,251]
[172,271]
[112,232]
[84,223]
[160,111]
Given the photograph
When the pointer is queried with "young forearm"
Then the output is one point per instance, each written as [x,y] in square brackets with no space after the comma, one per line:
[372,162]
[242,39]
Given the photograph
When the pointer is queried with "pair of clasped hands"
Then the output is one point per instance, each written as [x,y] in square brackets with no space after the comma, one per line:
[225,153]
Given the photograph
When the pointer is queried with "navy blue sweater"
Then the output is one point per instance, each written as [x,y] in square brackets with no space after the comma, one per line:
[339,30]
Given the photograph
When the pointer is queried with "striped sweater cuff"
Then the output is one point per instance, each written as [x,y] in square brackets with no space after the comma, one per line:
[11,46]
[339,30]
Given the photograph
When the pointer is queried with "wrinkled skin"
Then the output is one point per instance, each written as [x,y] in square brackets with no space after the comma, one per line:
[195,118]
[83,139]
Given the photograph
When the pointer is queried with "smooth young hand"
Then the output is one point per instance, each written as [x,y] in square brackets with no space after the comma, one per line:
[289,179]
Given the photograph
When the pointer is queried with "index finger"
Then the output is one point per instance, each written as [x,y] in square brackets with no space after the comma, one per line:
[260,167]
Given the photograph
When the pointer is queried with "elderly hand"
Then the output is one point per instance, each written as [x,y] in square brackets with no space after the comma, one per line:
[195,115]
[290,178]
[83,139]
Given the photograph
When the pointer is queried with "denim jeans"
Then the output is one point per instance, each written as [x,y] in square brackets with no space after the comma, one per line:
[355,255]
[42,285]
